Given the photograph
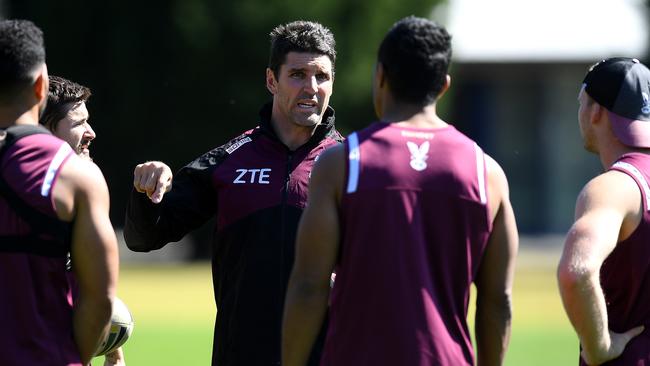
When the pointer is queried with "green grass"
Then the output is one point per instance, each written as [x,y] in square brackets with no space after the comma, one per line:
[174,313]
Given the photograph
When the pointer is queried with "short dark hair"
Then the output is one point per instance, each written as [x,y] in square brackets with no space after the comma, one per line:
[62,95]
[415,55]
[22,51]
[300,36]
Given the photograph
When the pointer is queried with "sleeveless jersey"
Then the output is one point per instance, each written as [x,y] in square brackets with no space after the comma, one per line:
[35,294]
[414,225]
[625,274]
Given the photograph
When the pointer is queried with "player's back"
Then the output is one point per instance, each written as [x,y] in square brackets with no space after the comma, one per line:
[36,302]
[414,225]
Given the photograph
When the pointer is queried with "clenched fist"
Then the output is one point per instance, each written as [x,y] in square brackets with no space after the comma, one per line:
[153,178]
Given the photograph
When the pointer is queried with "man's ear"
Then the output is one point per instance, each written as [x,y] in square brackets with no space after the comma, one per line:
[597,113]
[445,87]
[41,85]
[271,82]
[380,77]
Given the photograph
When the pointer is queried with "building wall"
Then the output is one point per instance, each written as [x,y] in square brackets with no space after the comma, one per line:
[525,116]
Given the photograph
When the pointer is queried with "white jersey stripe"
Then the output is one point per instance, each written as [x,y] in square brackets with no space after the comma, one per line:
[55,164]
[354,156]
[633,171]
[480,173]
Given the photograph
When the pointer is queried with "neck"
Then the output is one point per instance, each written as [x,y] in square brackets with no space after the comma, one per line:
[412,115]
[292,136]
[613,150]
[10,117]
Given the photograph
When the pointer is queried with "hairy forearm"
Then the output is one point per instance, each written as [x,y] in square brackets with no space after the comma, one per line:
[91,320]
[304,312]
[585,305]
[493,324]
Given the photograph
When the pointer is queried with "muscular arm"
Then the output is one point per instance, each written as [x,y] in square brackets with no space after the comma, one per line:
[155,218]
[81,193]
[607,210]
[316,251]
[495,277]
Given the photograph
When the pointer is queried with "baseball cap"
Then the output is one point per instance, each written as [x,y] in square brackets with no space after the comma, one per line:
[622,86]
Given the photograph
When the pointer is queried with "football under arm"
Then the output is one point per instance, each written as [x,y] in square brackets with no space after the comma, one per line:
[496,273]
[316,252]
[94,255]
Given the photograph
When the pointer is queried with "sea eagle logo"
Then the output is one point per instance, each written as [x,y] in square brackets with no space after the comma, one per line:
[418,155]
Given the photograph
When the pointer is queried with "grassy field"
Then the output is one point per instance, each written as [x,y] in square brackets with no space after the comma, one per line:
[174,314]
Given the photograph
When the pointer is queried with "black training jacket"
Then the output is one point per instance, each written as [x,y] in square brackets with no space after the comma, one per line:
[257,188]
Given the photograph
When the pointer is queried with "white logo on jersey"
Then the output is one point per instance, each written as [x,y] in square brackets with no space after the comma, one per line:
[254,177]
[418,155]
[238,144]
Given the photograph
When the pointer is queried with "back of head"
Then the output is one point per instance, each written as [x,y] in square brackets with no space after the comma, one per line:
[22,52]
[622,86]
[300,36]
[63,94]
[415,56]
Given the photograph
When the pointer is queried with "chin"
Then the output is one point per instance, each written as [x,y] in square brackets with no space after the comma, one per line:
[307,122]
[85,155]
[591,149]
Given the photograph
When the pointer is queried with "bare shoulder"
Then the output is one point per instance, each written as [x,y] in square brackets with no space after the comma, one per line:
[329,170]
[496,175]
[612,189]
[612,194]
[332,158]
[497,186]
[79,180]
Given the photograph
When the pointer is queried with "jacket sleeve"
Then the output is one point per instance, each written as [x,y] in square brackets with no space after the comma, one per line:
[189,204]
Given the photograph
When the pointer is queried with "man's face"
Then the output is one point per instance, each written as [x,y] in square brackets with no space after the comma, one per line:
[302,90]
[586,130]
[75,130]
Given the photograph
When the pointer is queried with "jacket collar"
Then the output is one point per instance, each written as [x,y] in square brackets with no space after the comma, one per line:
[322,130]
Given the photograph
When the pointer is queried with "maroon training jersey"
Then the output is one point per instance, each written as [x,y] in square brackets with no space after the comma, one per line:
[414,225]
[625,274]
[35,297]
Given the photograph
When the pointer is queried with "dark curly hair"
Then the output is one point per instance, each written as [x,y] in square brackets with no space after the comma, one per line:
[300,36]
[415,55]
[62,95]
[22,51]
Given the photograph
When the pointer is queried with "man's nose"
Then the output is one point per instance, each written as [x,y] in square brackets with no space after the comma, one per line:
[90,133]
[311,85]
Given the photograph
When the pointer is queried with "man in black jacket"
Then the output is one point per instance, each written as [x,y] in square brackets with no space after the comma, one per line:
[256,186]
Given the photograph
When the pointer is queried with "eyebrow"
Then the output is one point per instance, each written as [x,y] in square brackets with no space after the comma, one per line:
[305,69]
[294,69]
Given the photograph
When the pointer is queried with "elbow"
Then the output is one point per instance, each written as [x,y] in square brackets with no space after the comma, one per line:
[305,290]
[136,242]
[99,309]
[498,306]
[104,310]
[574,276]
[135,246]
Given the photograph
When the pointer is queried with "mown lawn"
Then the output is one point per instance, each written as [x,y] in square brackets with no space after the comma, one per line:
[174,314]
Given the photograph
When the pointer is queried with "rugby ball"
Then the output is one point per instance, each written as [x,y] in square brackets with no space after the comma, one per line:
[120,329]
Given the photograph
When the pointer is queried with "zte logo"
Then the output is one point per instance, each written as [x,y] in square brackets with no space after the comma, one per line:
[259,176]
